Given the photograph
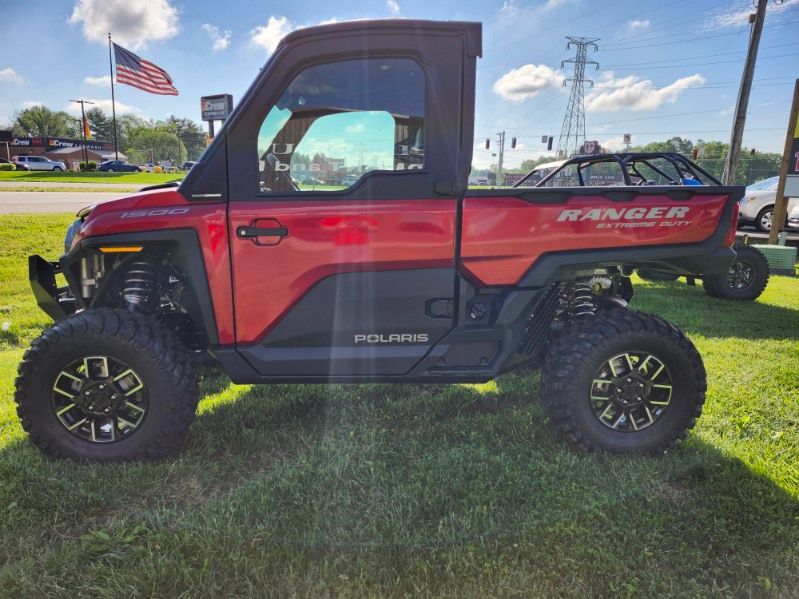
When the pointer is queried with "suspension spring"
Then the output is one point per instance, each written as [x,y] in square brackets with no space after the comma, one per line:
[582,300]
[140,284]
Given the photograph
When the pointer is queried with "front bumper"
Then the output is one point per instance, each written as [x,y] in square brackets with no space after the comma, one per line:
[56,302]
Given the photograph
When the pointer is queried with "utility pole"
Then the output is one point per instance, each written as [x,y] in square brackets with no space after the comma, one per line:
[572,133]
[84,153]
[501,154]
[734,155]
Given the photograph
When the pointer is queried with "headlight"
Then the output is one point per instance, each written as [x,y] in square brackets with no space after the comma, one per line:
[72,230]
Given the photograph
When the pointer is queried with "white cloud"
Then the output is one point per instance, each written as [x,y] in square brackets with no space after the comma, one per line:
[393,7]
[741,17]
[613,143]
[268,36]
[636,24]
[105,105]
[31,104]
[132,23]
[527,81]
[219,39]
[633,93]
[554,3]
[102,80]
[9,75]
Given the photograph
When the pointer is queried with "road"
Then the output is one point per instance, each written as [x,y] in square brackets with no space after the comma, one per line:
[12,202]
[10,185]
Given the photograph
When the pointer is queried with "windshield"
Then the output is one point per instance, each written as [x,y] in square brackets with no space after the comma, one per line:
[769,184]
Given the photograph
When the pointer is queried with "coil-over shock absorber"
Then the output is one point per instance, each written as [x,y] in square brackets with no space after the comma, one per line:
[140,288]
[581,303]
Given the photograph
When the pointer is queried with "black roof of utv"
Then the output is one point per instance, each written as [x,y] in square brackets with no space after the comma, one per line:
[471,30]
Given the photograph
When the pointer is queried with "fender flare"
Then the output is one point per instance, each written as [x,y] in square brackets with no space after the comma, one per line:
[184,247]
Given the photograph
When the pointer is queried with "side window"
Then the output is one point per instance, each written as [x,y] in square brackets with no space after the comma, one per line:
[338,121]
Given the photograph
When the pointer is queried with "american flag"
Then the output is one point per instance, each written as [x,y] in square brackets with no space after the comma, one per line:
[142,74]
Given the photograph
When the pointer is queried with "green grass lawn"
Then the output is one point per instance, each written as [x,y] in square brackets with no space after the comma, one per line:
[447,490]
[70,177]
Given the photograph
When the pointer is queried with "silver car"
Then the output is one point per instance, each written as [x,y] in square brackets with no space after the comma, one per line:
[793,217]
[37,163]
[757,206]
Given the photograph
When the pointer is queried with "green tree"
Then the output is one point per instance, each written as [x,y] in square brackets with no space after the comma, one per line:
[189,132]
[101,125]
[40,121]
[146,143]
[127,123]
[675,144]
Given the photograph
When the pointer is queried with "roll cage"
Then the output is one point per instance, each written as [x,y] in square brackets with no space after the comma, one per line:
[630,164]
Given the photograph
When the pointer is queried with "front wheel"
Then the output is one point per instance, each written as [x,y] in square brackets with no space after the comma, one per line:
[109,170]
[57,169]
[624,382]
[106,385]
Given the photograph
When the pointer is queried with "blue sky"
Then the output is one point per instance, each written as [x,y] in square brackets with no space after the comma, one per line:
[667,68]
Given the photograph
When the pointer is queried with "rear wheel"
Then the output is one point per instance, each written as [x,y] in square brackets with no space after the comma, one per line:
[106,385]
[745,280]
[764,219]
[624,382]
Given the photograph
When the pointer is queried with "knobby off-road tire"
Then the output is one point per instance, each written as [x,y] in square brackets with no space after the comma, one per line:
[137,375]
[578,405]
[744,281]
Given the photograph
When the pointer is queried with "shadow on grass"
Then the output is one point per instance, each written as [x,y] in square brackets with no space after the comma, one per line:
[437,488]
[691,309]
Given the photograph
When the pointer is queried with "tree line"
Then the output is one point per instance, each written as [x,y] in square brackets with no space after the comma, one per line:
[711,155]
[141,140]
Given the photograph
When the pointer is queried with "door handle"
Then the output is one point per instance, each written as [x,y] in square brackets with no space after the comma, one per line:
[250,232]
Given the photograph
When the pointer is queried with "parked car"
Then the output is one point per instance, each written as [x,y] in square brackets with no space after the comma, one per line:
[757,206]
[793,217]
[118,166]
[38,163]
[186,166]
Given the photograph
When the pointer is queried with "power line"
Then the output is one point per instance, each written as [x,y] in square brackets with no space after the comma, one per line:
[696,64]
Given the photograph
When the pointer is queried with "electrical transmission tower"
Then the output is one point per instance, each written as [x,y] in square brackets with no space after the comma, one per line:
[572,133]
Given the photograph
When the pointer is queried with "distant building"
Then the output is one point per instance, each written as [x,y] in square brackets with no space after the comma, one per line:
[62,149]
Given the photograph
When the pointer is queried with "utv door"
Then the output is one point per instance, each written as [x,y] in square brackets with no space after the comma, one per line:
[345,162]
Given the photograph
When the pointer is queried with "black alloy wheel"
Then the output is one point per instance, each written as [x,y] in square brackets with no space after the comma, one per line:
[99,399]
[631,391]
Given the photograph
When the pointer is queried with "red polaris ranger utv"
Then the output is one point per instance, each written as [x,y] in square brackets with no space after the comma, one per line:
[327,236]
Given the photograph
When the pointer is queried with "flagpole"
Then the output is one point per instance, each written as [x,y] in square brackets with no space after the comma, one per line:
[113,99]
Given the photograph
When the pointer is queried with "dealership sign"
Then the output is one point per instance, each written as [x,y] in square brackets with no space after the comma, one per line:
[53,143]
[216,108]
